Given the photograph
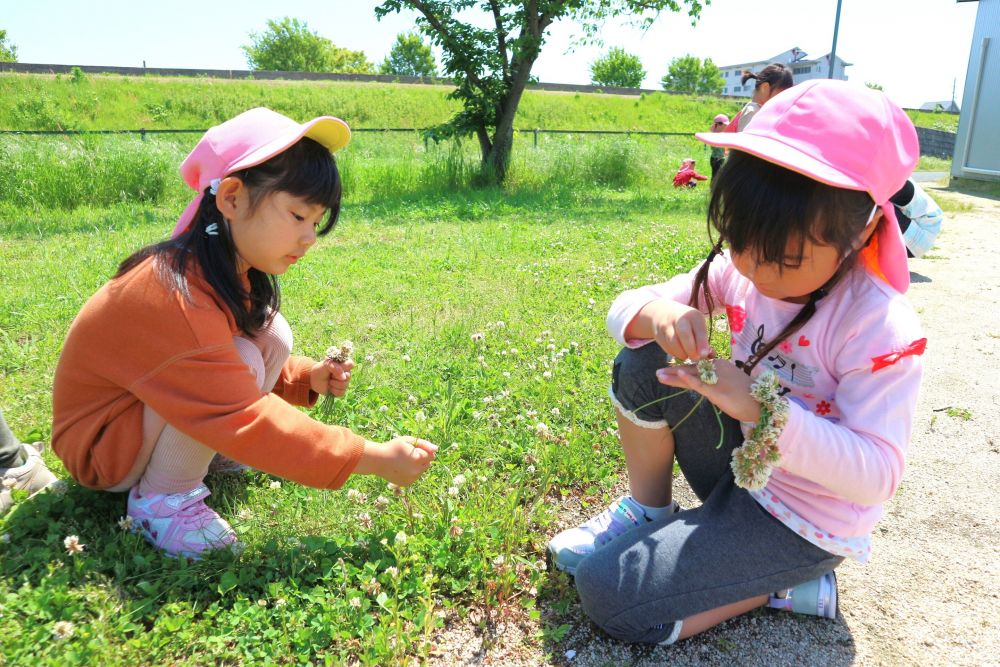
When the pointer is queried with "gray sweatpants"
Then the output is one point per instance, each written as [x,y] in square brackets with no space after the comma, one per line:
[726,550]
[10,446]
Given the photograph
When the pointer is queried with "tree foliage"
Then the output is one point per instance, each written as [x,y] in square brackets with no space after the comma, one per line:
[289,46]
[617,68]
[688,74]
[490,59]
[8,51]
[409,56]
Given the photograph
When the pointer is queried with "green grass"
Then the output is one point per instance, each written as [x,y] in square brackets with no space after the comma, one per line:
[325,578]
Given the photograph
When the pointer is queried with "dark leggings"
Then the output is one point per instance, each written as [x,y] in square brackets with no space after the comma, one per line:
[725,550]
[10,446]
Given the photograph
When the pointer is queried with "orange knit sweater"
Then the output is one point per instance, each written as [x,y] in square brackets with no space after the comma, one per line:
[138,342]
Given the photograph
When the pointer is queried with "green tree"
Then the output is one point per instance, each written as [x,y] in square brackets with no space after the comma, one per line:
[491,65]
[873,85]
[289,46]
[8,51]
[617,68]
[691,75]
[409,56]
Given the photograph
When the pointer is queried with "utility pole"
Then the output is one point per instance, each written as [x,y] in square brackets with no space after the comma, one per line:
[833,51]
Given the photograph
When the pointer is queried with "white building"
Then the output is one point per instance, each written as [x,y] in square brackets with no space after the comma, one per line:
[803,69]
[977,143]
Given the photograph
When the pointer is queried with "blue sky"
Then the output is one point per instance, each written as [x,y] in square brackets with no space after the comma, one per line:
[915,49]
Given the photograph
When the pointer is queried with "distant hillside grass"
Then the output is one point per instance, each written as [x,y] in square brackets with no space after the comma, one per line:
[91,102]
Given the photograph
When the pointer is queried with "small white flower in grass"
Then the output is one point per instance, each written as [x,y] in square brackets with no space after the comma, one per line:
[370,358]
[356,603]
[392,487]
[455,530]
[478,337]
[459,480]
[555,412]
[392,571]
[481,359]
[275,484]
[383,408]
[73,545]
[9,482]
[280,602]
[419,416]
[63,630]
[401,538]
[482,478]
[406,357]
[513,350]
[573,344]
[498,560]
[547,374]
[411,399]
[550,346]
[531,469]
[371,326]
[125,523]
[381,502]
[541,428]
[355,495]
[244,514]
[452,490]
[506,374]
[262,602]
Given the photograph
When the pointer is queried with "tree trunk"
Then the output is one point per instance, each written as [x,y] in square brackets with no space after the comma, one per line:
[497,158]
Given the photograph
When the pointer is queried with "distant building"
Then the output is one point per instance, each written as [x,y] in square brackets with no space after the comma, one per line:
[947,106]
[977,143]
[803,69]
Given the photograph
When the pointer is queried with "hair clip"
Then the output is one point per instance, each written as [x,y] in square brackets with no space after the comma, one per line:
[212,229]
[213,185]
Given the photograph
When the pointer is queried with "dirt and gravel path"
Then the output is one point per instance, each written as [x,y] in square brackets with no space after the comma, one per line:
[931,593]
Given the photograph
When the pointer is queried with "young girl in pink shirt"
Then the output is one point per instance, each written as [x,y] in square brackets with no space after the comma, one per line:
[794,445]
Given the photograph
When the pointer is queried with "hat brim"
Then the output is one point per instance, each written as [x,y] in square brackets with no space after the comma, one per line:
[329,131]
[780,153]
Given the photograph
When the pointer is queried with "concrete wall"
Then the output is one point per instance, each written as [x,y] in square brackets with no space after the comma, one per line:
[937,143]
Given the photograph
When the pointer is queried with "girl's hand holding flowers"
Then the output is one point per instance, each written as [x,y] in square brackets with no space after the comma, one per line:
[731,393]
[678,329]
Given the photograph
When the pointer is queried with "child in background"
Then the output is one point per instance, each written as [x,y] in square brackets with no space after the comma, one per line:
[184,353]
[686,176]
[718,152]
[919,218]
[810,270]
[773,79]
[21,468]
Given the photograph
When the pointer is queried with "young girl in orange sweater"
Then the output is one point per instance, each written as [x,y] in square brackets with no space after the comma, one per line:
[184,353]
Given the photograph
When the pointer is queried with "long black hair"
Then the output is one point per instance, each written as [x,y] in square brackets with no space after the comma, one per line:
[763,209]
[776,74]
[306,170]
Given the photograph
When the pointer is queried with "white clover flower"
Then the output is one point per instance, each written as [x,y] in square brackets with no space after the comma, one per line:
[245,514]
[356,602]
[392,571]
[73,545]
[459,480]
[452,490]
[532,414]
[573,344]
[547,374]
[381,502]
[541,428]
[478,337]
[262,602]
[411,399]
[125,523]
[419,416]
[392,487]
[355,496]
[370,358]
[506,374]
[275,484]
[406,357]
[550,346]
[455,530]
[383,408]
[487,399]
[63,630]
[706,371]
[555,412]
[498,560]
[341,354]
[401,538]
[280,602]
[372,326]
[514,350]
[531,469]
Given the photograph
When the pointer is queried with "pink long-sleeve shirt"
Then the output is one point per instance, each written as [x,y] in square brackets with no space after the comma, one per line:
[852,373]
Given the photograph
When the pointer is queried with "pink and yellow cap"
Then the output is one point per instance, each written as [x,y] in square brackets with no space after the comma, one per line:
[846,136]
[246,140]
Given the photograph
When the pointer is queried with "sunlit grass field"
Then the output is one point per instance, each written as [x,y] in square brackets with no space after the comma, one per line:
[478,321]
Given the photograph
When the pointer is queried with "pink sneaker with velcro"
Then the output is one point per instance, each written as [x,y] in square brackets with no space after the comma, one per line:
[180,524]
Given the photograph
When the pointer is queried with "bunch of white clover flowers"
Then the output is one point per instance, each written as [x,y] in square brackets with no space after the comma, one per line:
[753,462]
[341,354]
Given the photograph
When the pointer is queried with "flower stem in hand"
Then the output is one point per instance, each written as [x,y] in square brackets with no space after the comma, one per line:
[340,354]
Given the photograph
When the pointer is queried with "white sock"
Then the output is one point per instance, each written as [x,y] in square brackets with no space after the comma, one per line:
[657,513]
